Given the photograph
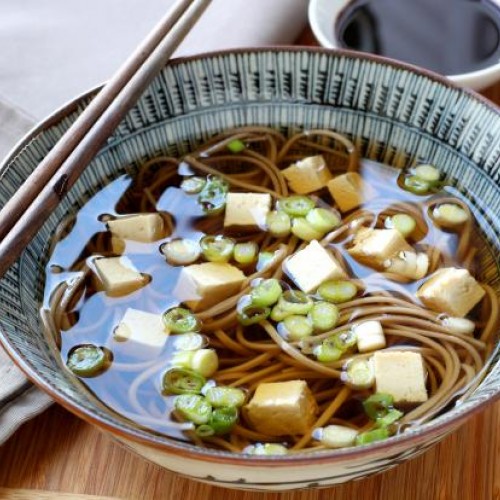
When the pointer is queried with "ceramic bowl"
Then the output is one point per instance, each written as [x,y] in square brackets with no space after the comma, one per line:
[323,15]
[393,113]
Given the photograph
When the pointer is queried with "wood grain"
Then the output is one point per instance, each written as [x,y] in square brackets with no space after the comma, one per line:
[57,452]
[21,494]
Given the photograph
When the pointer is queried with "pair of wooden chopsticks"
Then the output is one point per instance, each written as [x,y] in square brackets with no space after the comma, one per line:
[24,214]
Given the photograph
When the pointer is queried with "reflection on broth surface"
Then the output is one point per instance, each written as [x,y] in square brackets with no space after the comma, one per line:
[270,290]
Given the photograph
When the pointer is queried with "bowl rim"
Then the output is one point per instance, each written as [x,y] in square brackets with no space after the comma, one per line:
[187,450]
[331,43]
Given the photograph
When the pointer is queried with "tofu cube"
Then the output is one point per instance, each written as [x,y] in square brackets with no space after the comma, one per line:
[282,408]
[350,191]
[451,290]
[246,211]
[118,275]
[308,175]
[402,375]
[374,247]
[140,227]
[145,331]
[203,285]
[408,264]
[309,267]
[369,336]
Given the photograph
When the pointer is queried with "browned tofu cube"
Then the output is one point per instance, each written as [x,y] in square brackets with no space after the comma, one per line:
[451,290]
[350,191]
[282,408]
[374,247]
[402,375]
[307,175]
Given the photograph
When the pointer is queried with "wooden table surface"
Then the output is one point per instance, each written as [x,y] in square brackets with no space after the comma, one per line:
[57,452]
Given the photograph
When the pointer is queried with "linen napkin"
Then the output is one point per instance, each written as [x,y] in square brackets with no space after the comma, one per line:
[53,50]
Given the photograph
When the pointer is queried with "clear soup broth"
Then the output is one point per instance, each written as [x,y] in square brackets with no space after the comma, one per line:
[250,334]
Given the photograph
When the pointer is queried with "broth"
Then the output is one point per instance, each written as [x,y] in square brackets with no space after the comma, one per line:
[132,385]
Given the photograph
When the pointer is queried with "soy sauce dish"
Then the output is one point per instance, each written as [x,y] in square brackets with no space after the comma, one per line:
[457,38]
[281,270]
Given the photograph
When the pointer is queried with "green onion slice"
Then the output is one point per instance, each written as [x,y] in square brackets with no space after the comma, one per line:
[212,197]
[372,436]
[220,396]
[304,230]
[278,223]
[204,431]
[88,360]
[182,381]
[324,316]
[248,313]
[416,185]
[326,352]
[295,302]
[296,206]
[194,408]
[190,341]
[222,420]
[266,293]
[296,327]
[345,340]
[428,173]
[323,220]
[390,418]
[265,449]
[337,291]
[180,320]
[181,252]
[217,248]
[403,223]
[378,405]
[193,184]
[245,253]
[236,146]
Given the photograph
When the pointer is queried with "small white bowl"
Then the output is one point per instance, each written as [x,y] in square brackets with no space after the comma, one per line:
[323,15]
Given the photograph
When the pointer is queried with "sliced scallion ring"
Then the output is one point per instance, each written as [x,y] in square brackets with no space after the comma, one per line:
[324,316]
[296,206]
[181,252]
[403,223]
[212,197]
[428,173]
[337,291]
[88,360]
[182,381]
[245,253]
[266,293]
[220,396]
[217,248]
[278,223]
[193,184]
[248,313]
[194,408]
[295,302]
[296,327]
[372,436]
[416,185]
[378,405]
[236,146]
[322,220]
[180,320]
[304,230]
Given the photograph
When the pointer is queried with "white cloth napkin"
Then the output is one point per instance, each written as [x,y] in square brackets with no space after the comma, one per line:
[53,50]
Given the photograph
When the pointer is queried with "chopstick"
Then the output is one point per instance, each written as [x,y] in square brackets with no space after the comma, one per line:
[24,214]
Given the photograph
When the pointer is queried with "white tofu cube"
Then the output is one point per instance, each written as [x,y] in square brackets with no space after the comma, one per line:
[246,211]
[350,191]
[451,290]
[408,264]
[118,275]
[402,375]
[139,227]
[141,333]
[374,247]
[369,336]
[203,285]
[282,408]
[309,267]
[307,175]
[336,436]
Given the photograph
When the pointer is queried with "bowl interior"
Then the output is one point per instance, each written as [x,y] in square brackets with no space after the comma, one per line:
[391,113]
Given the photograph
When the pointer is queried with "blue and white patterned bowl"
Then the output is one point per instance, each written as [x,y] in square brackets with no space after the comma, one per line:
[392,112]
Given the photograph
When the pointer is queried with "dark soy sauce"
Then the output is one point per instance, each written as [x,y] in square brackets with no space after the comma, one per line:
[447,36]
